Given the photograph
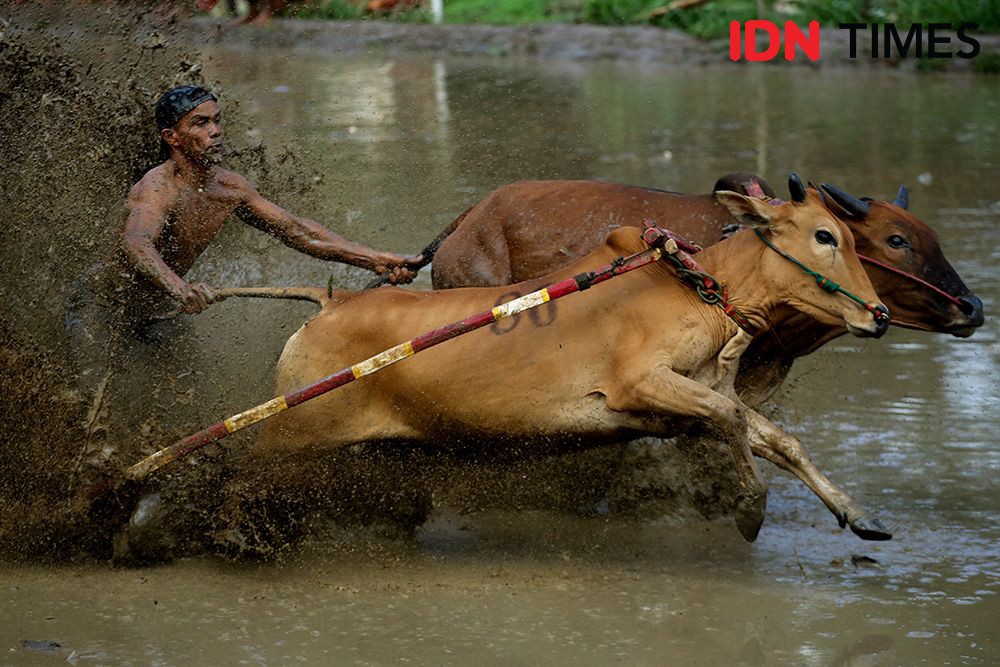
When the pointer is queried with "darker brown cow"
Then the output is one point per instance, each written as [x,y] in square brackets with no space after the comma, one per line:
[887,233]
[638,355]
[527,229]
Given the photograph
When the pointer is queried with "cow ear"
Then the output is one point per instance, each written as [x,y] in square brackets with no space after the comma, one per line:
[816,193]
[747,210]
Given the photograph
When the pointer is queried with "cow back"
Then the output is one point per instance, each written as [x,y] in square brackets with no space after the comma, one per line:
[531,228]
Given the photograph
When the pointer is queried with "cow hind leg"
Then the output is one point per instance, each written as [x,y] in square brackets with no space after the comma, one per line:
[785,451]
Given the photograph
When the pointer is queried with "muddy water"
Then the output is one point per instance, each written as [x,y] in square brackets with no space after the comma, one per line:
[908,425]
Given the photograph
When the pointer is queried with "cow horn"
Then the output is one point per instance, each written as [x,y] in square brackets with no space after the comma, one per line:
[819,191]
[852,205]
[902,200]
[795,188]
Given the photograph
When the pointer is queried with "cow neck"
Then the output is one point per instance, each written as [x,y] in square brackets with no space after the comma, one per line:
[735,264]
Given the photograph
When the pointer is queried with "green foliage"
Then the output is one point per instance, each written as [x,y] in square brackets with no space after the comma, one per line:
[712,21]
[340,10]
[834,12]
[985,13]
[412,16]
[708,21]
[617,12]
[505,11]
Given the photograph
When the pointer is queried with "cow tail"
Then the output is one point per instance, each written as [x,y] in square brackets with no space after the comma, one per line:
[428,252]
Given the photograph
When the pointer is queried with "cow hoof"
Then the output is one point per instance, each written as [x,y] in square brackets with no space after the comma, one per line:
[750,516]
[148,537]
[868,528]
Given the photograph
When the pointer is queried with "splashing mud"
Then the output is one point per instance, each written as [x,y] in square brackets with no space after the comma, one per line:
[76,117]
[67,176]
[76,121]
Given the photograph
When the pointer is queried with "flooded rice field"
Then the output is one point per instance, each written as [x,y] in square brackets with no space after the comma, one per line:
[395,149]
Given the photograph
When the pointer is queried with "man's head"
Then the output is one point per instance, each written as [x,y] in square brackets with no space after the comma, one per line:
[189,121]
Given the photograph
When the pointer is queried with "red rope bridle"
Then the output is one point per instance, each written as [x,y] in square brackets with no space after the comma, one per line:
[753,188]
[909,276]
[708,287]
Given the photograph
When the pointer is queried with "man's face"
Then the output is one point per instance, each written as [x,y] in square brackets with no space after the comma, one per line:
[198,134]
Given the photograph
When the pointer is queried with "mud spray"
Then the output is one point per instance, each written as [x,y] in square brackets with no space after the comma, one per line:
[77,87]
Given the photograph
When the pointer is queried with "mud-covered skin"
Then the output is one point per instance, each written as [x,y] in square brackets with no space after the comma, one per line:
[177,208]
[73,144]
[78,86]
[78,128]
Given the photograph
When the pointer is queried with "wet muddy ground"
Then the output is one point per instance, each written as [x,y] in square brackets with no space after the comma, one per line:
[387,150]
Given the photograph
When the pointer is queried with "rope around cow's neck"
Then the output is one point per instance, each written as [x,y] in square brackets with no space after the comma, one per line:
[714,294]
[876,309]
[705,284]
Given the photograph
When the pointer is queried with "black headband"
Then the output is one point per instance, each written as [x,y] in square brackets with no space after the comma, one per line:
[177,102]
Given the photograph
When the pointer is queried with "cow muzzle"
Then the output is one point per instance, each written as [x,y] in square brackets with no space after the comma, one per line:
[875,326]
[972,308]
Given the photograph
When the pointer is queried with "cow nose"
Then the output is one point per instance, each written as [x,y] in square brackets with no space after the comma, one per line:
[972,307]
[881,314]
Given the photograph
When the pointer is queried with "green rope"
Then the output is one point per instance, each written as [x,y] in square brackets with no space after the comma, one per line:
[821,280]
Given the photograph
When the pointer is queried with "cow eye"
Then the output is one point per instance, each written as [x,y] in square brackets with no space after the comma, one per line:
[826,238]
[897,241]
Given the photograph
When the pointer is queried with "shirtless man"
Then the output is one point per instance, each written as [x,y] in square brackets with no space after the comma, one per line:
[173,214]
[178,207]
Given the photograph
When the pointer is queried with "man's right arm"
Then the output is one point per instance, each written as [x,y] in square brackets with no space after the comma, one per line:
[314,239]
[144,223]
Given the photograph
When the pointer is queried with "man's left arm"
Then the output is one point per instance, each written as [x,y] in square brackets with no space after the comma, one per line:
[314,239]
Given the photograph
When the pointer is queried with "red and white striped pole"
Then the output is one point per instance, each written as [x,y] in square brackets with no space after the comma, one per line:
[660,241]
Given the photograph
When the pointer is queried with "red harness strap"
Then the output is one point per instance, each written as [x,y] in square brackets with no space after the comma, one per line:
[910,276]
[708,287]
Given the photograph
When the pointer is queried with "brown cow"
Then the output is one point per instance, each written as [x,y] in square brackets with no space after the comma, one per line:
[531,227]
[527,229]
[640,355]
[887,233]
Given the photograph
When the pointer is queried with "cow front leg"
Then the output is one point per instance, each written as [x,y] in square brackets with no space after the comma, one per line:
[769,441]
[666,395]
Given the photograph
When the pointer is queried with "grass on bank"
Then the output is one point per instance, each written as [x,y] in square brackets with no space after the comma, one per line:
[707,21]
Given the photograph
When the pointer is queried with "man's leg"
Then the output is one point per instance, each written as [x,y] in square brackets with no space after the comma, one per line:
[93,339]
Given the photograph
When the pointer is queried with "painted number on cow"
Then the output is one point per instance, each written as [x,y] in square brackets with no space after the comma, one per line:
[540,316]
